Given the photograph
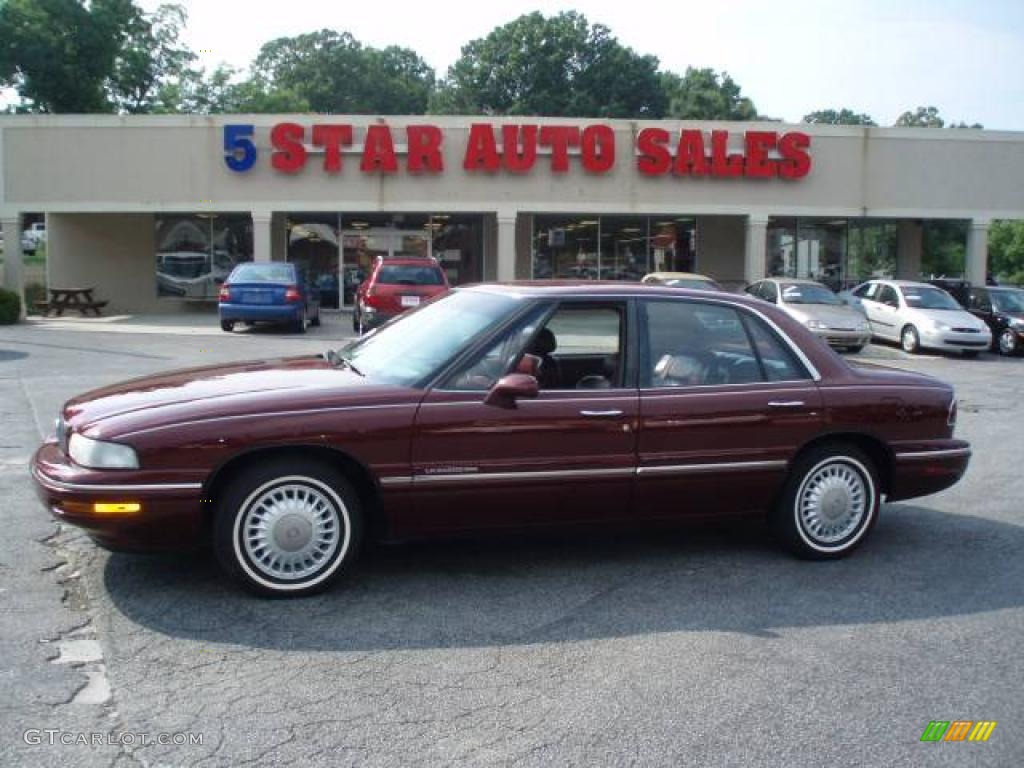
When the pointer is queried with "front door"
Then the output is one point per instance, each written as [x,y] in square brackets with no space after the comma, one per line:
[724,405]
[567,456]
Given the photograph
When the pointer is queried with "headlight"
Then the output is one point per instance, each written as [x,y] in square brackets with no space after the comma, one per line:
[816,324]
[98,454]
[940,326]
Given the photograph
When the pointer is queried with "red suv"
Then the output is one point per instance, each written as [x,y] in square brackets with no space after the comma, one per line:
[395,285]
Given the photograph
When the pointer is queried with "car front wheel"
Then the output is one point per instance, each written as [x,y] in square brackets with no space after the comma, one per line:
[288,527]
[910,340]
[829,503]
[227,325]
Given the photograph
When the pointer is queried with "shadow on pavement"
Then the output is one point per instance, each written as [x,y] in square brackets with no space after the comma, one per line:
[918,564]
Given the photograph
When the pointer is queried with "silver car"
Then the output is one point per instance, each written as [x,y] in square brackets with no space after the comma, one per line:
[920,316]
[817,307]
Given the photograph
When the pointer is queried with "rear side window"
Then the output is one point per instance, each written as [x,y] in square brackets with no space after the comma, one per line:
[777,361]
[694,344]
[586,330]
[409,274]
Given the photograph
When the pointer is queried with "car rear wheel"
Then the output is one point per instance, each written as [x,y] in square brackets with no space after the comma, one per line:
[355,320]
[288,527]
[227,325]
[829,503]
[299,324]
[910,340]
[316,318]
[1008,343]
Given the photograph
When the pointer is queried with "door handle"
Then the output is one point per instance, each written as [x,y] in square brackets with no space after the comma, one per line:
[600,414]
[786,403]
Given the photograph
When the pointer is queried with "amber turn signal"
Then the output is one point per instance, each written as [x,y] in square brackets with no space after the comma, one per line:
[115,508]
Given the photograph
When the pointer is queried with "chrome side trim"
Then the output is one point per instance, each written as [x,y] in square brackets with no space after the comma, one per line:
[49,482]
[693,469]
[540,475]
[938,454]
[396,480]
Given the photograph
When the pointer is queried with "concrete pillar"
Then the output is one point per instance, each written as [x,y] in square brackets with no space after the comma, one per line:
[755,255]
[976,265]
[14,260]
[262,243]
[506,247]
[909,238]
[279,236]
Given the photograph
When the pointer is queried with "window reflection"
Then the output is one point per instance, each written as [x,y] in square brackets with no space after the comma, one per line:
[808,248]
[196,252]
[585,247]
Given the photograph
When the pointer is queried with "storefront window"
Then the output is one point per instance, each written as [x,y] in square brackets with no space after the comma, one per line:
[195,253]
[871,251]
[610,247]
[808,248]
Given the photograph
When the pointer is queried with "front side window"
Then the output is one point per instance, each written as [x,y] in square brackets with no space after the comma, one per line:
[887,295]
[580,347]
[423,341]
[1008,300]
[769,292]
[482,371]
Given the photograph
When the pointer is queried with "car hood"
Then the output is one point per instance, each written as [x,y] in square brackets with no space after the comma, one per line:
[195,394]
[832,316]
[957,318]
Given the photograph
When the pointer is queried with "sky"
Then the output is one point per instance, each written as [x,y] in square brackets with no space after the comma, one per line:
[791,57]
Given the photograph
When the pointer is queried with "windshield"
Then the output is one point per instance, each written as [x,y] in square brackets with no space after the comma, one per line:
[808,293]
[920,297]
[689,282]
[420,342]
[409,274]
[1007,300]
[262,273]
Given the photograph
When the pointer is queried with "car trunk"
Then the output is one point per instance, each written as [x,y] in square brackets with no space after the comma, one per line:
[257,293]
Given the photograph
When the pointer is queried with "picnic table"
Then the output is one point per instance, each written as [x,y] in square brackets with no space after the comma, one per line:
[71,298]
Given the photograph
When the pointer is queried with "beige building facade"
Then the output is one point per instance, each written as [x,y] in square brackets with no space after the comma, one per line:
[154,211]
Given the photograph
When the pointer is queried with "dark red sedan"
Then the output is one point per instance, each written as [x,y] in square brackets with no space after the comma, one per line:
[500,407]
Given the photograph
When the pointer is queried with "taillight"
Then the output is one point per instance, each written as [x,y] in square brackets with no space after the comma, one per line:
[225,293]
[292,294]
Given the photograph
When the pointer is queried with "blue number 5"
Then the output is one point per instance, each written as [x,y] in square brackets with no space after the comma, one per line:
[239,151]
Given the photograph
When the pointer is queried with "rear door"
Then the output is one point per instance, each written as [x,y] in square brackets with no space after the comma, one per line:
[724,405]
[567,456]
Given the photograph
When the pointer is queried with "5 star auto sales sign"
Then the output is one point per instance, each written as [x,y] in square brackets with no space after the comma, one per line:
[519,148]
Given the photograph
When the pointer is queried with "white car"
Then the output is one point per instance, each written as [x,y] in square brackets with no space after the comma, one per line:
[32,237]
[919,316]
[817,307]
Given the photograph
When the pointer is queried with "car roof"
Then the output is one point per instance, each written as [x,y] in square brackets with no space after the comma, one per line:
[902,283]
[601,288]
[416,261]
[679,276]
[795,280]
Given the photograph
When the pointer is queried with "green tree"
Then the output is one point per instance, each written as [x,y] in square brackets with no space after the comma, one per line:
[60,54]
[151,61]
[943,248]
[1006,250]
[842,116]
[558,65]
[703,94]
[333,72]
[922,117]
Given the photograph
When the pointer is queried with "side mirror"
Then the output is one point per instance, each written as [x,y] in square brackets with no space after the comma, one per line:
[510,388]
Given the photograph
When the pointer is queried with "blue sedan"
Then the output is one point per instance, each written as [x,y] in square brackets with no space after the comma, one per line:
[273,292]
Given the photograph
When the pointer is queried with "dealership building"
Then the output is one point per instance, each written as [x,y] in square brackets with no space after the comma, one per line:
[155,211]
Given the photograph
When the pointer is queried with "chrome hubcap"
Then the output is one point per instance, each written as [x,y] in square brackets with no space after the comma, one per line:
[832,502]
[909,342]
[1007,342]
[290,531]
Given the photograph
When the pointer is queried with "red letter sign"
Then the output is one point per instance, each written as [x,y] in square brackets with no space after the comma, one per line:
[379,151]
[560,138]
[758,166]
[424,149]
[481,150]
[654,157]
[796,162]
[290,156]
[516,160]
[332,138]
[598,148]
[690,156]
[722,163]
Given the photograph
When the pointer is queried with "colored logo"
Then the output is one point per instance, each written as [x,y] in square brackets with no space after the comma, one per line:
[958,730]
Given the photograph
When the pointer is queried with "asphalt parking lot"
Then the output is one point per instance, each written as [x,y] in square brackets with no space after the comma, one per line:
[699,647]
